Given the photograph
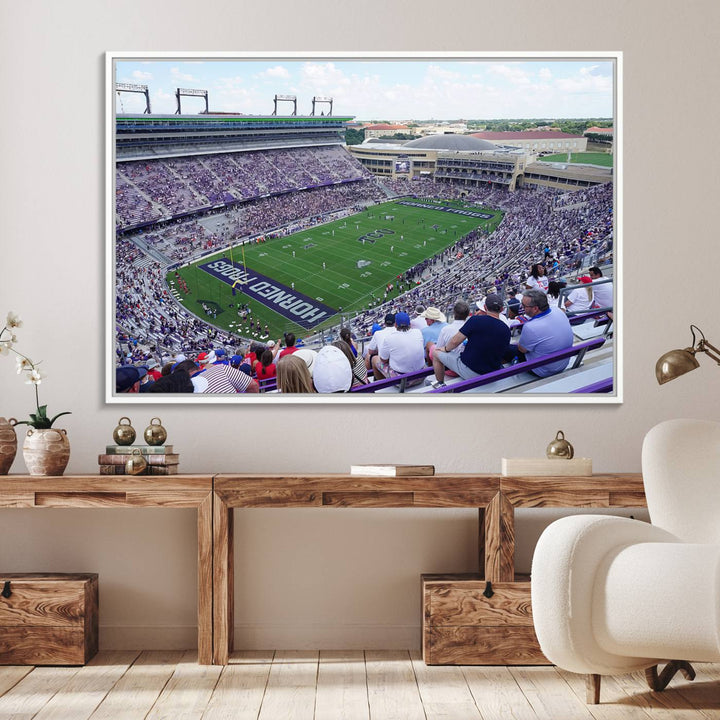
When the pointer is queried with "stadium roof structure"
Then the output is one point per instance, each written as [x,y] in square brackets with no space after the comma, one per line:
[452,142]
[524,135]
[382,141]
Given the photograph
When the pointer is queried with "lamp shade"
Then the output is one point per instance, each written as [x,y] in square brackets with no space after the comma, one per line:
[675,363]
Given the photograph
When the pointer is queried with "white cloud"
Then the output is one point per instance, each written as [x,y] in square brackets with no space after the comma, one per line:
[142,77]
[545,73]
[276,72]
[515,75]
[177,75]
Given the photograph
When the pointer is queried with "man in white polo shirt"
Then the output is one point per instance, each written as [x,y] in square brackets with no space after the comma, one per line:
[603,293]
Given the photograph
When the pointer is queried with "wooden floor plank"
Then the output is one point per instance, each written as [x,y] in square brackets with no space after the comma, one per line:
[87,688]
[497,694]
[11,675]
[34,691]
[666,705]
[139,688]
[548,694]
[615,703]
[392,688]
[188,692]
[342,686]
[240,691]
[290,692]
[703,693]
[347,685]
[444,691]
[251,657]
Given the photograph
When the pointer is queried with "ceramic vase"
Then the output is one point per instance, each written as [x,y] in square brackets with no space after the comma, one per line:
[46,451]
[8,445]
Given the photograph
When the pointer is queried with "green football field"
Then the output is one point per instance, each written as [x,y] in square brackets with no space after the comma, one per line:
[329,263]
[591,158]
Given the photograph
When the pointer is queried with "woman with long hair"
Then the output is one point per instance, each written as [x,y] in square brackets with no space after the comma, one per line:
[537,280]
[293,375]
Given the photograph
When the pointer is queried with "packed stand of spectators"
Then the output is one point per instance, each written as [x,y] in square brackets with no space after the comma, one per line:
[185,238]
[154,189]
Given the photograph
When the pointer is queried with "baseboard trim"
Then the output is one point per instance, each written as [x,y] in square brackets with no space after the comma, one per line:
[265,636]
[327,637]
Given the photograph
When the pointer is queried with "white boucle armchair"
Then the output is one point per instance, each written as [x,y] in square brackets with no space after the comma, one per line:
[613,595]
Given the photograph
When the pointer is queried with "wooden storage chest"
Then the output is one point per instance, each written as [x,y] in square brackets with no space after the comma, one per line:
[462,626]
[48,618]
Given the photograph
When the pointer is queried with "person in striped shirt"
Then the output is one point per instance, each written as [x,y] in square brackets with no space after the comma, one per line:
[227,379]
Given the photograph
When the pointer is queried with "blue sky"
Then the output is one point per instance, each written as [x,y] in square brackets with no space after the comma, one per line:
[382,89]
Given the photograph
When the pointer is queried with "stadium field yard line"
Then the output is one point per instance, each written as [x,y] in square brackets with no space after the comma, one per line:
[342,284]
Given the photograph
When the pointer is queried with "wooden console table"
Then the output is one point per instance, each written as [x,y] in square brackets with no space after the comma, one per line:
[111,491]
[495,497]
[215,497]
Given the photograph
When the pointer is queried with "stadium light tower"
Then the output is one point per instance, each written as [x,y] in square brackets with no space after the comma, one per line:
[286,98]
[191,93]
[317,99]
[130,87]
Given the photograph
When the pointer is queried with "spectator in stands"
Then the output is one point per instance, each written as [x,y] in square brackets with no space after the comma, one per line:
[488,339]
[547,331]
[359,371]
[221,357]
[435,321]
[206,359]
[347,336]
[460,313]
[227,379]
[128,378]
[153,371]
[265,368]
[482,309]
[332,369]
[177,381]
[553,293]
[418,321]
[400,352]
[197,375]
[308,356]
[289,345]
[580,299]
[537,280]
[603,294]
[372,347]
[293,375]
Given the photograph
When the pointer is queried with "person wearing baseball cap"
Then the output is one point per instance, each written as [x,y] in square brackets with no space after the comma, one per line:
[400,352]
[128,378]
[371,349]
[488,338]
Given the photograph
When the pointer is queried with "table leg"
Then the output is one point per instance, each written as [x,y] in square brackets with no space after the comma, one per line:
[499,542]
[223,581]
[205,579]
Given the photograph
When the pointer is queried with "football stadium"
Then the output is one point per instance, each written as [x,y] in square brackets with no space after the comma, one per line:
[243,239]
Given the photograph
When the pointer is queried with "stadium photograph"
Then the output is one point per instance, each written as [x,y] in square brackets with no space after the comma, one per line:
[363,229]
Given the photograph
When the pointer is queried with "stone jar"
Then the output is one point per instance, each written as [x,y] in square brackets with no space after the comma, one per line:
[8,444]
[46,451]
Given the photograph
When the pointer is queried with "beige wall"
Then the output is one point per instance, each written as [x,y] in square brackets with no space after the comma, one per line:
[344,577]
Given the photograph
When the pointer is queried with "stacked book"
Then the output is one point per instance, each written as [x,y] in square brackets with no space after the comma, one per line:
[160,459]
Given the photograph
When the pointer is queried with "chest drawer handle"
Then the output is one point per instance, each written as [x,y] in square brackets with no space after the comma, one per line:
[6,592]
[488,592]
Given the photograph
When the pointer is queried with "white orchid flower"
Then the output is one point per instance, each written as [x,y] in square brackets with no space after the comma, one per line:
[35,377]
[23,364]
[5,347]
[13,320]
